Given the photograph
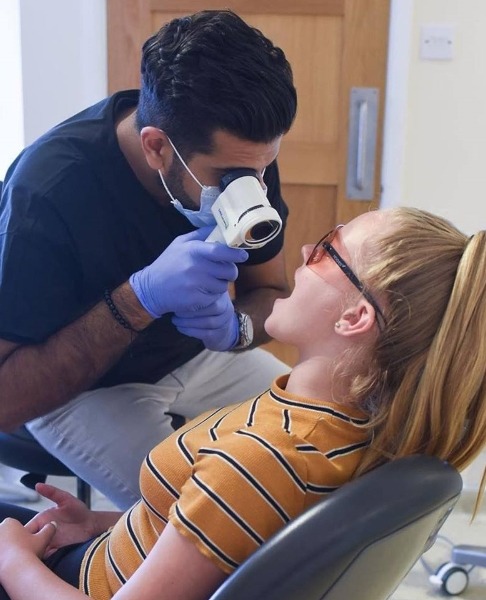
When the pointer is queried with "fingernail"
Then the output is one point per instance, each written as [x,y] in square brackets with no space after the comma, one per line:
[54,523]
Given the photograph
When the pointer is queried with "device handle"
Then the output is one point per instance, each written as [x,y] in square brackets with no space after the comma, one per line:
[216,235]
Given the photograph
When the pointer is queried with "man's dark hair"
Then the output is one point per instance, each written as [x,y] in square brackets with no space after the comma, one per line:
[212,71]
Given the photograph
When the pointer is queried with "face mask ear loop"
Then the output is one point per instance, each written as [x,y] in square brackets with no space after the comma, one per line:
[262,183]
[172,199]
[183,162]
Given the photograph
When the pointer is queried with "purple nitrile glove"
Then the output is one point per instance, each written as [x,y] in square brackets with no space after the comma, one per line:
[189,275]
[215,325]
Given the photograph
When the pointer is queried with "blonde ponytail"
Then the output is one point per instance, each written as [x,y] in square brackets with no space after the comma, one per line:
[428,374]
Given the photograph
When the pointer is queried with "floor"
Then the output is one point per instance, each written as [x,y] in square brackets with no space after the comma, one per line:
[456,530]
[416,586]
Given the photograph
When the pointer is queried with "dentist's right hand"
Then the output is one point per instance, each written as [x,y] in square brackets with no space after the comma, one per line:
[189,275]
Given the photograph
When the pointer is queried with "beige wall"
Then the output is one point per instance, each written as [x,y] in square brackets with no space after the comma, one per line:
[441,134]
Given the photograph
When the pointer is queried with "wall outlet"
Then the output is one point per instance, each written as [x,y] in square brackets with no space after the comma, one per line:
[437,42]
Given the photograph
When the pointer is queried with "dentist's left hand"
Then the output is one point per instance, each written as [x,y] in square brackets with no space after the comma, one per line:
[215,325]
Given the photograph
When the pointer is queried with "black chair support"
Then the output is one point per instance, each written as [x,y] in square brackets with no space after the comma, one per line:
[20,450]
[359,543]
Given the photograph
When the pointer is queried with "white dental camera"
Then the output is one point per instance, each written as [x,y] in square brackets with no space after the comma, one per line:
[244,216]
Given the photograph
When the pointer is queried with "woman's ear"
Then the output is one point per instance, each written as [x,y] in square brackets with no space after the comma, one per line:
[156,148]
[356,320]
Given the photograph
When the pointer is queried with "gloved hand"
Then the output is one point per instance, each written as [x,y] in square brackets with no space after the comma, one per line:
[189,275]
[216,325]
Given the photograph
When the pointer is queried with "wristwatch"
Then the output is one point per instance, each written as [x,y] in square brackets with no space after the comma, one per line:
[245,327]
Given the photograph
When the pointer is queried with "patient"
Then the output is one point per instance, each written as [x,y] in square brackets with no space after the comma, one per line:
[388,317]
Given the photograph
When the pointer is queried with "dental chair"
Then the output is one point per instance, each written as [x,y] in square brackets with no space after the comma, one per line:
[357,544]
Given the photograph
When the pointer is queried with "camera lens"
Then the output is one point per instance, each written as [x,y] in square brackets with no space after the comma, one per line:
[261,231]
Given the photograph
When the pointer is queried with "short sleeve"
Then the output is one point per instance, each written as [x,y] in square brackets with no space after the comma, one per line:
[37,269]
[242,490]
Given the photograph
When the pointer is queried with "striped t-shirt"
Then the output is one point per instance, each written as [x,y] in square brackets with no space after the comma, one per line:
[230,479]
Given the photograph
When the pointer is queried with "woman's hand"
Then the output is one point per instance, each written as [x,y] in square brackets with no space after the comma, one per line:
[22,573]
[18,545]
[75,522]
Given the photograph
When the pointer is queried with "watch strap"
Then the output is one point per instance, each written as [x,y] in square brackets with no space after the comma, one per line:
[245,327]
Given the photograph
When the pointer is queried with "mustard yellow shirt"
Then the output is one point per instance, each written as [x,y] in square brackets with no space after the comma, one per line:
[230,479]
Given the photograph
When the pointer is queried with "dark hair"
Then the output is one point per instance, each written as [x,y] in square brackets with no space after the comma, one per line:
[212,71]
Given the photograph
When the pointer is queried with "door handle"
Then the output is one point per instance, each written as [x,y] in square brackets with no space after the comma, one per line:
[363,125]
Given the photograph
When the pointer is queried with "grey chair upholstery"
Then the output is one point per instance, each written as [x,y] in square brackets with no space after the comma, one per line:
[359,543]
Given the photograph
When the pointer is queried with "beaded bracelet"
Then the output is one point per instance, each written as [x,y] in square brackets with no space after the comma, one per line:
[116,313]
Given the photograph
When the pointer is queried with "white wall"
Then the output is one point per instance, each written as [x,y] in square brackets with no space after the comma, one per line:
[63,60]
[52,64]
[11,101]
[436,134]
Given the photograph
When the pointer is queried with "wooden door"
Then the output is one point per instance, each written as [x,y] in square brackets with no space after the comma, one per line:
[333,46]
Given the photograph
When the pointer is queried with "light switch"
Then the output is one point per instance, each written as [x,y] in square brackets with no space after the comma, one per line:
[437,42]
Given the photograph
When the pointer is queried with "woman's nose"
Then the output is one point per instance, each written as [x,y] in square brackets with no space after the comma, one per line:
[306,251]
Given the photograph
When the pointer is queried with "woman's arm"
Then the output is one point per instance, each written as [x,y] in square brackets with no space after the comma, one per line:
[173,570]
[22,573]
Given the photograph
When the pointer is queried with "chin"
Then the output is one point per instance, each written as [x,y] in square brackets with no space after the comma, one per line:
[271,325]
[265,325]
[275,328]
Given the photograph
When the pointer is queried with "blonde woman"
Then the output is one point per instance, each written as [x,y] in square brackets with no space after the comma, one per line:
[387,314]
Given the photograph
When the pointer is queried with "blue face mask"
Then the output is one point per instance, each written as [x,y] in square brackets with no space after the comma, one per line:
[209,194]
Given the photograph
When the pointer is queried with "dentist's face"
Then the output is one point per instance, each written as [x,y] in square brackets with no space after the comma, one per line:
[229,152]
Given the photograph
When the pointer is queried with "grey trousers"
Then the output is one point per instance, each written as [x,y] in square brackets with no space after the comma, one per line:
[103,435]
